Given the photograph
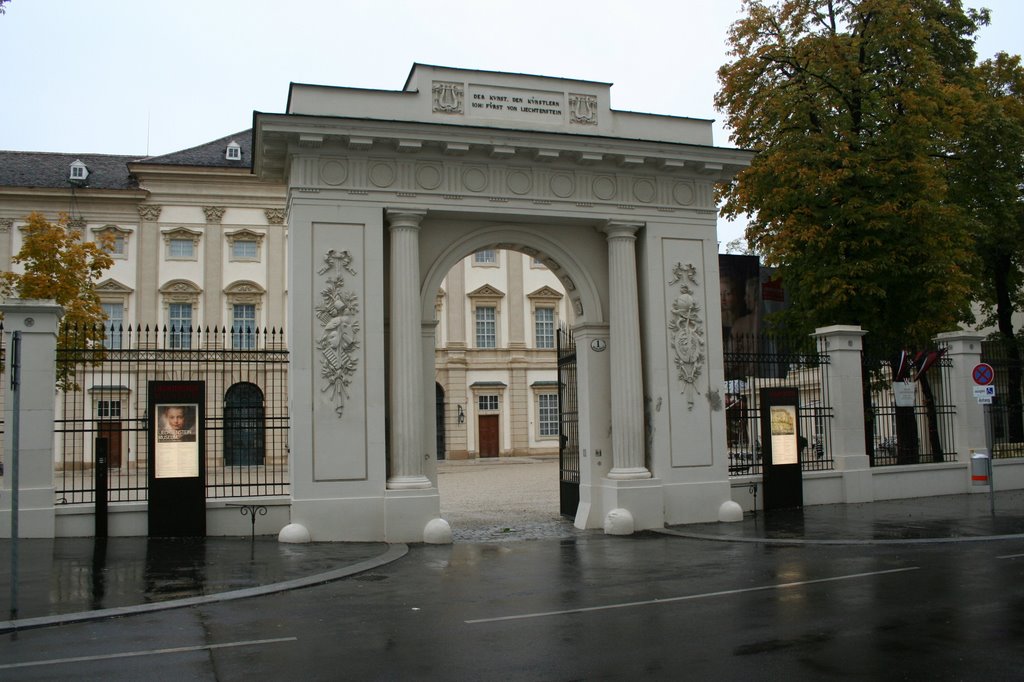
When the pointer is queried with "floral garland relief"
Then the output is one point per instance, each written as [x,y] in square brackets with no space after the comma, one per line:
[338,313]
[687,330]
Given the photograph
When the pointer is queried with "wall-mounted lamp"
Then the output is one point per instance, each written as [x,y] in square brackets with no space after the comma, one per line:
[462,415]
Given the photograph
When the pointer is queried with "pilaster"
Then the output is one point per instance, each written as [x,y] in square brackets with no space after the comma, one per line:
[213,266]
[150,248]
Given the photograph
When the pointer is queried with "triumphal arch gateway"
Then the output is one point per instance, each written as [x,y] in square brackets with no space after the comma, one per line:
[387,190]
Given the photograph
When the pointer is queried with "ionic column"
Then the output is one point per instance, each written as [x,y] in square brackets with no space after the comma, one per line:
[406,381]
[626,370]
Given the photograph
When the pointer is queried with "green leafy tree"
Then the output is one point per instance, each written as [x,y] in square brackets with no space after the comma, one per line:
[58,264]
[852,106]
[987,180]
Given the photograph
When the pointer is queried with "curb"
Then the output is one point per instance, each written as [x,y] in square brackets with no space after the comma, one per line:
[393,553]
[824,541]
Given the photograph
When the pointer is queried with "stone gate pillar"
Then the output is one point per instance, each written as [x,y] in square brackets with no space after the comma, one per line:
[627,395]
[37,322]
[964,349]
[406,435]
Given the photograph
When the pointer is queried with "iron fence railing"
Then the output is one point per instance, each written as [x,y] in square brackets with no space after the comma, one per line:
[917,429]
[756,362]
[1007,409]
[106,396]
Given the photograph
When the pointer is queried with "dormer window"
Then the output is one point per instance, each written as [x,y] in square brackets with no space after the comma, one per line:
[78,172]
[234,152]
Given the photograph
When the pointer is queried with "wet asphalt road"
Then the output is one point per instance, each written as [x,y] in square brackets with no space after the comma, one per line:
[587,608]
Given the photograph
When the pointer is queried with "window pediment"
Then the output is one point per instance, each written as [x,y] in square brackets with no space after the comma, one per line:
[112,286]
[486,291]
[545,293]
[182,233]
[180,291]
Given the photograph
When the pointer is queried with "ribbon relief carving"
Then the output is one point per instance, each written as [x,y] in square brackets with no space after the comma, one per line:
[338,313]
[687,330]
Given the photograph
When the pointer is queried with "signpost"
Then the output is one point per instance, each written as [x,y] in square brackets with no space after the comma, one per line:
[983,376]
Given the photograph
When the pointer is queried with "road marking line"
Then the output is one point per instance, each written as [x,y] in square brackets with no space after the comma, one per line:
[1010,556]
[649,602]
[150,652]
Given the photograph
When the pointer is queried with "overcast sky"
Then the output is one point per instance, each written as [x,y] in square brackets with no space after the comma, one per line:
[155,76]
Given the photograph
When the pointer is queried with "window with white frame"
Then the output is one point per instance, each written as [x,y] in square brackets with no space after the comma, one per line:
[244,249]
[544,327]
[547,415]
[113,326]
[486,327]
[116,239]
[233,152]
[485,257]
[181,248]
[108,409]
[179,317]
[243,326]
[487,403]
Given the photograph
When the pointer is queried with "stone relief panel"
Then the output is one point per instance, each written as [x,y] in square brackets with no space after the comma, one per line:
[583,109]
[686,329]
[338,314]
[448,97]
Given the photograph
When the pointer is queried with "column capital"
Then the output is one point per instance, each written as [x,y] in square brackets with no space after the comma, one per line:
[961,342]
[150,211]
[839,337]
[405,217]
[621,229]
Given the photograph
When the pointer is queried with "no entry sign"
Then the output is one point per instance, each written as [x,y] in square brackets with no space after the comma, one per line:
[983,374]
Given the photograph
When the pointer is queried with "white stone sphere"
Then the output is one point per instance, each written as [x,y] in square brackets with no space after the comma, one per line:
[619,522]
[730,512]
[437,532]
[294,533]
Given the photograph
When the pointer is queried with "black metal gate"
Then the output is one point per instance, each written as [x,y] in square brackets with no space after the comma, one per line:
[568,426]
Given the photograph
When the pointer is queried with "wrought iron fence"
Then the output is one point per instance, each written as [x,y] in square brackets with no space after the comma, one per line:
[106,396]
[1007,410]
[917,427]
[756,362]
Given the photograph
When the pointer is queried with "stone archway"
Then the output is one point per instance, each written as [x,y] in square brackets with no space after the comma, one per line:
[388,190]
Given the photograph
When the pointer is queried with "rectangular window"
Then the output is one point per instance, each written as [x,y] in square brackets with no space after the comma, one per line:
[112,327]
[180,319]
[243,326]
[486,327]
[487,403]
[547,414]
[544,327]
[244,249]
[117,249]
[181,248]
[485,257]
[108,409]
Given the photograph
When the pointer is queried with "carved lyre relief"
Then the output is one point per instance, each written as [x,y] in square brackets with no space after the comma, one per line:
[686,327]
[338,313]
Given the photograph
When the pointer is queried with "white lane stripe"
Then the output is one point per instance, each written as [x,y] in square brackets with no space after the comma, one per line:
[649,602]
[150,652]
[1010,556]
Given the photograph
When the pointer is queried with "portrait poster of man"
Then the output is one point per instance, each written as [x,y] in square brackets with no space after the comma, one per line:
[177,445]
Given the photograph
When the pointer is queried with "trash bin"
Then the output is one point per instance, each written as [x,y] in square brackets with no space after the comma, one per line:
[980,467]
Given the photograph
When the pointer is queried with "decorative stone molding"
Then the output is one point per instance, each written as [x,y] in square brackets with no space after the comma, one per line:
[686,330]
[244,292]
[583,109]
[115,233]
[76,224]
[6,224]
[214,214]
[150,212]
[275,216]
[448,97]
[338,313]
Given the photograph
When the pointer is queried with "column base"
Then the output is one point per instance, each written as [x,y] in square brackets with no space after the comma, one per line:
[36,515]
[418,482]
[628,473]
[407,513]
[644,499]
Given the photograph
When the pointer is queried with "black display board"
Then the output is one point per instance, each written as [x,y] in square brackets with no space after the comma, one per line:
[177,459]
[780,448]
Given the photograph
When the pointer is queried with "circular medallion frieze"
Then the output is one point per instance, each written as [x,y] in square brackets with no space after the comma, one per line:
[382,174]
[562,185]
[683,193]
[474,179]
[519,182]
[604,187]
[644,191]
[333,172]
[428,177]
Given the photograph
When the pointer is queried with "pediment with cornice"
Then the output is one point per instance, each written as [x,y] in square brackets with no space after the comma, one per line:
[112,286]
[181,286]
[244,287]
[545,292]
[486,291]
[181,233]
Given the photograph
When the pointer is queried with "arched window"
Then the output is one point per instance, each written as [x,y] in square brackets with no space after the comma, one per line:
[244,429]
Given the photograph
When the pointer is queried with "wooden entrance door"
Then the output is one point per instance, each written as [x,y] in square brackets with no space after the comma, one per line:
[111,430]
[489,435]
